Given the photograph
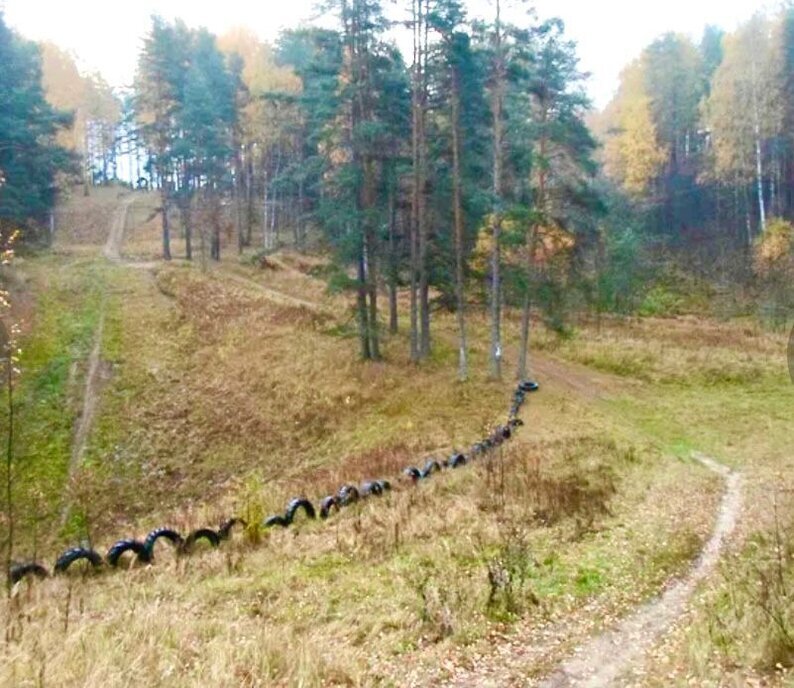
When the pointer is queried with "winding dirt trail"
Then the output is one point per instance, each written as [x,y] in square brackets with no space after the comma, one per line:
[605,658]
[602,660]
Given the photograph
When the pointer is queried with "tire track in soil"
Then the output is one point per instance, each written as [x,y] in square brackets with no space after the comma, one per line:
[98,373]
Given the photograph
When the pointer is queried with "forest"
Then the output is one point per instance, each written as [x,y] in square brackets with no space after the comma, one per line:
[476,175]
[264,309]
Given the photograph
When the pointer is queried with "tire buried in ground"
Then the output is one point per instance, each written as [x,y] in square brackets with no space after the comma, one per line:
[166,533]
[348,494]
[277,520]
[143,555]
[326,504]
[201,534]
[70,556]
[299,503]
[19,571]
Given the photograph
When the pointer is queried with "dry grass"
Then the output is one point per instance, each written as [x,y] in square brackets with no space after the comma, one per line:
[225,401]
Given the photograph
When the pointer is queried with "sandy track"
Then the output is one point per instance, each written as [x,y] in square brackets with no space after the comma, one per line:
[514,660]
[602,660]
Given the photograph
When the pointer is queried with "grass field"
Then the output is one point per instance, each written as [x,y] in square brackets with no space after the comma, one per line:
[221,398]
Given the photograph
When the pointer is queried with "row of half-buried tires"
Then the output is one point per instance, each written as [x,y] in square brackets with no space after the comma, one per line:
[348,494]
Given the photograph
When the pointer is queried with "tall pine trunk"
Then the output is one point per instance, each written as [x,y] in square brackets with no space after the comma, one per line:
[393,261]
[463,365]
[417,189]
[370,255]
[424,277]
[361,305]
[530,243]
[759,168]
[238,197]
[496,221]
[166,226]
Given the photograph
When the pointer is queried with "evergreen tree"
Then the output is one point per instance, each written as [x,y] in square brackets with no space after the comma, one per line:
[160,87]
[30,156]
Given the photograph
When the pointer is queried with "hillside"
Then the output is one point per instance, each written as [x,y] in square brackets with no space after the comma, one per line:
[231,390]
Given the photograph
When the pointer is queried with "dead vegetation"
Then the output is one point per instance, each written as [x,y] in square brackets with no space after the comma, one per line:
[224,401]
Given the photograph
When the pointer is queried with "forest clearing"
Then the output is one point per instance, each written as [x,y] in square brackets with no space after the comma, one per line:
[520,372]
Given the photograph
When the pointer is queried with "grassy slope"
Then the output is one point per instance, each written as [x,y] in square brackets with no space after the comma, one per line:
[222,401]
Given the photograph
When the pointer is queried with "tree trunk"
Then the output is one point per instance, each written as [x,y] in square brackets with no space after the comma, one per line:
[524,345]
[238,197]
[187,219]
[249,195]
[361,306]
[166,226]
[417,181]
[265,218]
[531,239]
[299,244]
[463,365]
[393,262]
[496,223]
[424,278]
[759,169]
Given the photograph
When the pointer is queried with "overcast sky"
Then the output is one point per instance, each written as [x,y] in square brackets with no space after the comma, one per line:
[106,34]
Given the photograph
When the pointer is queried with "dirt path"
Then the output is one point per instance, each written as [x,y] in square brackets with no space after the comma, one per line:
[98,371]
[517,658]
[602,660]
[278,297]
[115,240]
[584,382]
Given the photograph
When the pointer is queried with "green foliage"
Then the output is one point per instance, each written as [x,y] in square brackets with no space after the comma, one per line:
[660,301]
[67,317]
[29,155]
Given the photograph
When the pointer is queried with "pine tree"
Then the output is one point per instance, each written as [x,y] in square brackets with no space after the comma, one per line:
[30,156]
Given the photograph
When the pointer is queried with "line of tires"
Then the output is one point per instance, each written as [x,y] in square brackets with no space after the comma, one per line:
[347,495]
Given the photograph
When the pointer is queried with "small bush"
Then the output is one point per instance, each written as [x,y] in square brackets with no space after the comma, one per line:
[753,614]
[661,301]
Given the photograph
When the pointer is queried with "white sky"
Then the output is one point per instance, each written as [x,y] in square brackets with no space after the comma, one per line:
[106,34]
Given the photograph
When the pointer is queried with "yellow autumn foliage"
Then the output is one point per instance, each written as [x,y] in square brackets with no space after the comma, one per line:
[550,242]
[632,155]
[774,246]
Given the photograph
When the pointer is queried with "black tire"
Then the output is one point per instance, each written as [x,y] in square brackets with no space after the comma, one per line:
[430,467]
[413,473]
[19,571]
[201,534]
[372,487]
[457,461]
[300,503]
[326,504]
[76,554]
[277,520]
[385,485]
[225,531]
[506,432]
[118,549]
[348,494]
[529,386]
[169,534]
[515,422]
